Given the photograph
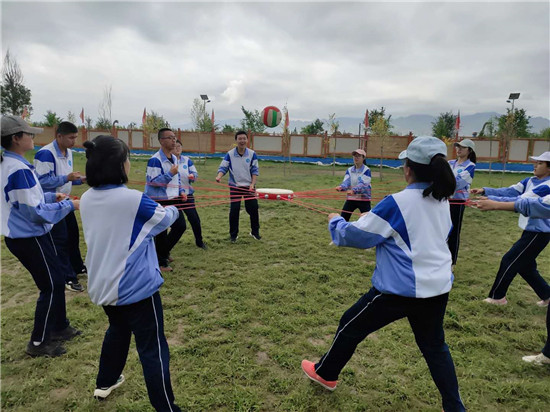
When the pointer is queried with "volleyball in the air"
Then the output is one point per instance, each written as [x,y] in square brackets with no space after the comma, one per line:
[271,116]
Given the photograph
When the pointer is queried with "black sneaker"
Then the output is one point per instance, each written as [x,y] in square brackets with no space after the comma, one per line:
[48,349]
[102,393]
[66,334]
[234,239]
[255,236]
[83,271]
[74,286]
[203,246]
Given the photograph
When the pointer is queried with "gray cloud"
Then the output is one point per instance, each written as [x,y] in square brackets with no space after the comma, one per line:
[321,58]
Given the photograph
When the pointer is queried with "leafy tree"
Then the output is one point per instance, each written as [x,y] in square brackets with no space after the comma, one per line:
[544,134]
[13,93]
[103,123]
[314,128]
[202,122]
[154,122]
[89,122]
[227,128]
[50,120]
[105,108]
[252,121]
[444,126]
[375,114]
[519,123]
[71,117]
[381,130]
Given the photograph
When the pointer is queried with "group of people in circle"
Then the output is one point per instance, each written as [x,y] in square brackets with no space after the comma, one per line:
[416,234]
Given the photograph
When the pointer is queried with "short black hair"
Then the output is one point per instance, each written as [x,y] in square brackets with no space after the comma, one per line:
[64,128]
[106,156]
[241,132]
[161,131]
[179,142]
[7,141]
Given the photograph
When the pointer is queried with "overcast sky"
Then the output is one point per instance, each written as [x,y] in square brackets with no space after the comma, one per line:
[318,57]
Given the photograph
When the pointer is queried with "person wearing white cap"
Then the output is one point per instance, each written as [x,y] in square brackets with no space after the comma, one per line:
[412,277]
[535,208]
[357,185]
[463,168]
[27,219]
[521,258]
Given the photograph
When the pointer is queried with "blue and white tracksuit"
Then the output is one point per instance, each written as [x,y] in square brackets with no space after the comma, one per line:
[412,279]
[164,188]
[464,174]
[28,215]
[359,182]
[53,168]
[521,258]
[124,277]
[186,168]
[160,184]
[241,168]
[537,208]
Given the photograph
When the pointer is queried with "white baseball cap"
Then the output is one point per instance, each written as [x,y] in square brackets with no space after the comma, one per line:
[545,157]
[466,143]
[423,148]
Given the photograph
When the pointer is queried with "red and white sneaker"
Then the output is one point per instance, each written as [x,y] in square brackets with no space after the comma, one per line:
[309,369]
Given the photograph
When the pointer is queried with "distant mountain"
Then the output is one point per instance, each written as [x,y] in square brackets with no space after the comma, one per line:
[418,124]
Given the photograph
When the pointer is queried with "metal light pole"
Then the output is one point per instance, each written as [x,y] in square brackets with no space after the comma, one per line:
[509,133]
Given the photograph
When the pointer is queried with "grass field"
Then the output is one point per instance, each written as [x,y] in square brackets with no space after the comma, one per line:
[240,317]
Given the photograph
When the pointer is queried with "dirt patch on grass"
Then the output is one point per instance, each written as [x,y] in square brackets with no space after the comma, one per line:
[262,357]
[317,342]
[176,337]
[59,393]
[20,298]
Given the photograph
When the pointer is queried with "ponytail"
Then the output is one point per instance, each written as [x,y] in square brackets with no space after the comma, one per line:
[438,173]
[472,155]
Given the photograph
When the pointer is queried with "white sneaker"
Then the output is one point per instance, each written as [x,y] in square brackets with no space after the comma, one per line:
[539,359]
[492,301]
[543,303]
[102,393]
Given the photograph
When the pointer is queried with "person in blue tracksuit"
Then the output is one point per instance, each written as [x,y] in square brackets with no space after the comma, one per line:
[123,272]
[536,208]
[54,166]
[357,185]
[188,174]
[412,277]
[28,215]
[163,186]
[521,258]
[463,168]
[242,165]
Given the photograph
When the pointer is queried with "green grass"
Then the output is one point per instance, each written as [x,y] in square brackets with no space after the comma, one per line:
[240,317]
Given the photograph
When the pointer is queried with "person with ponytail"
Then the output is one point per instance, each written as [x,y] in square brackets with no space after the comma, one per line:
[28,215]
[463,168]
[123,270]
[412,277]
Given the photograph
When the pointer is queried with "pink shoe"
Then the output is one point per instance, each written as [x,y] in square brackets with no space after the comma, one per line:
[309,369]
[543,303]
[492,301]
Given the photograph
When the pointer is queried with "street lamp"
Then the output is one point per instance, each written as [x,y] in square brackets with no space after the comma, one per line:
[205,100]
[511,99]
